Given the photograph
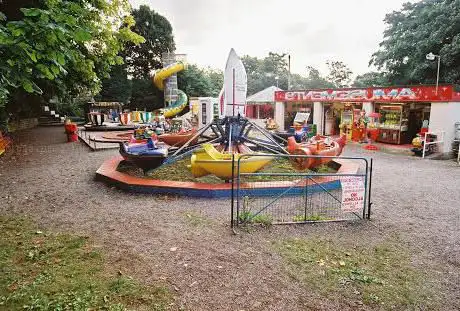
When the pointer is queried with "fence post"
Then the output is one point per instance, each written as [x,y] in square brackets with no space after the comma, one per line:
[306,199]
[370,191]
[233,188]
[238,191]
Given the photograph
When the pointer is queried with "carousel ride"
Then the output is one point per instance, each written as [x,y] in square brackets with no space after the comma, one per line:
[214,147]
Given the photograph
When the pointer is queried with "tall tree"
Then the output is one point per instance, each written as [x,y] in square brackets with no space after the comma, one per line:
[145,95]
[262,73]
[339,73]
[371,79]
[62,47]
[315,80]
[140,62]
[216,80]
[196,81]
[117,87]
[144,58]
[416,30]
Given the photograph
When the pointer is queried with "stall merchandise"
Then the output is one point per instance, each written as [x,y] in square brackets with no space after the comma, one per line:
[393,124]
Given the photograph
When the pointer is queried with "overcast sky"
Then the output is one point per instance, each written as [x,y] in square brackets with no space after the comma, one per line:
[310,31]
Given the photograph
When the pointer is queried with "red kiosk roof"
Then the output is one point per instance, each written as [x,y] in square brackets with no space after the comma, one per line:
[423,93]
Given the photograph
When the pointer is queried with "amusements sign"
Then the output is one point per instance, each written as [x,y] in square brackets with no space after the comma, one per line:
[385,94]
[353,191]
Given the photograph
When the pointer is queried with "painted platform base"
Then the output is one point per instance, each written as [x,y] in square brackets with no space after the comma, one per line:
[108,173]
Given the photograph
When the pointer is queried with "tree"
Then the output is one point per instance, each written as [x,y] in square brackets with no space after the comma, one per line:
[62,47]
[144,58]
[314,79]
[414,31]
[273,70]
[371,79]
[339,73]
[262,73]
[145,95]
[140,62]
[118,87]
[200,82]
[216,80]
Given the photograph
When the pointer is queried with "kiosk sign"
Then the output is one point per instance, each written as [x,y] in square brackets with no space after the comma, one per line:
[353,192]
[422,93]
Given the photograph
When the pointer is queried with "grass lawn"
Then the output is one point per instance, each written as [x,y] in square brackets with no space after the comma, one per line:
[179,171]
[381,277]
[47,271]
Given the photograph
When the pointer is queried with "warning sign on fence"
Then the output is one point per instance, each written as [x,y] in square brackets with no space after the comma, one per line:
[352,194]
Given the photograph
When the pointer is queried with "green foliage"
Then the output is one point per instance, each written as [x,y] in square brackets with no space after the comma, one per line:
[250,218]
[315,80]
[371,79]
[44,271]
[247,216]
[216,81]
[381,276]
[299,82]
[143,58]
[414,31]
[145,95]
[265,72]
[196,81]
[140,62]
[273,70]
[309,217]
[339,73]
[117,87]
[63,47]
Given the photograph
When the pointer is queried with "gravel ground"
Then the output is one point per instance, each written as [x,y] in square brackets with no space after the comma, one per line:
[210,268]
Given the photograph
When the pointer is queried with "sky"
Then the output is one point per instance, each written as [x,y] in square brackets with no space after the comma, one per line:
[312,32]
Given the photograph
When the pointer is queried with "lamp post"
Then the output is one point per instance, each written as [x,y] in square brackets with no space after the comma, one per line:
[431,56]
[277,78]
[289,72]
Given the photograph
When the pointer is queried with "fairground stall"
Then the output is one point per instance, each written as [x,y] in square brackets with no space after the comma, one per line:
[261,105]
[109,109]
[397,114]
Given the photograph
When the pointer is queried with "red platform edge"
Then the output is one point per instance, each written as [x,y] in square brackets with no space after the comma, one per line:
[108,172]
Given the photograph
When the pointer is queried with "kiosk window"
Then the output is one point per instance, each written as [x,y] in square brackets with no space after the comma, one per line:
[203,113]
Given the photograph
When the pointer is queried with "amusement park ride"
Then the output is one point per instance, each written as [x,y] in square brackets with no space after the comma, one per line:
[214,146]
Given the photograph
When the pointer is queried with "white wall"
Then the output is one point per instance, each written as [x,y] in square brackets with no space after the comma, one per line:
[442,118]
[318,118]
[209,103]
[279,115]
[368,107]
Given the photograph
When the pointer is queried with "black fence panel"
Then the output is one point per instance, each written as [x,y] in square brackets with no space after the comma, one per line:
[339,190]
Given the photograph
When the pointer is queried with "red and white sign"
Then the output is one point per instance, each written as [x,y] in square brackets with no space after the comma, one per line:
[386,94]
[353,192]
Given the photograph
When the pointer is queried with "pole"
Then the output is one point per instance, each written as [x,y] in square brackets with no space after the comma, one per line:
[437,75]
[369,205]
[230,138]
[233,92]
[289,72]
[233,190]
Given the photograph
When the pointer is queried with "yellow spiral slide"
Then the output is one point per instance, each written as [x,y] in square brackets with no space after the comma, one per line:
[158,80]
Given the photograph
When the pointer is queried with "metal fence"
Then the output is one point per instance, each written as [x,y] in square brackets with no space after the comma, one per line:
[338,191]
